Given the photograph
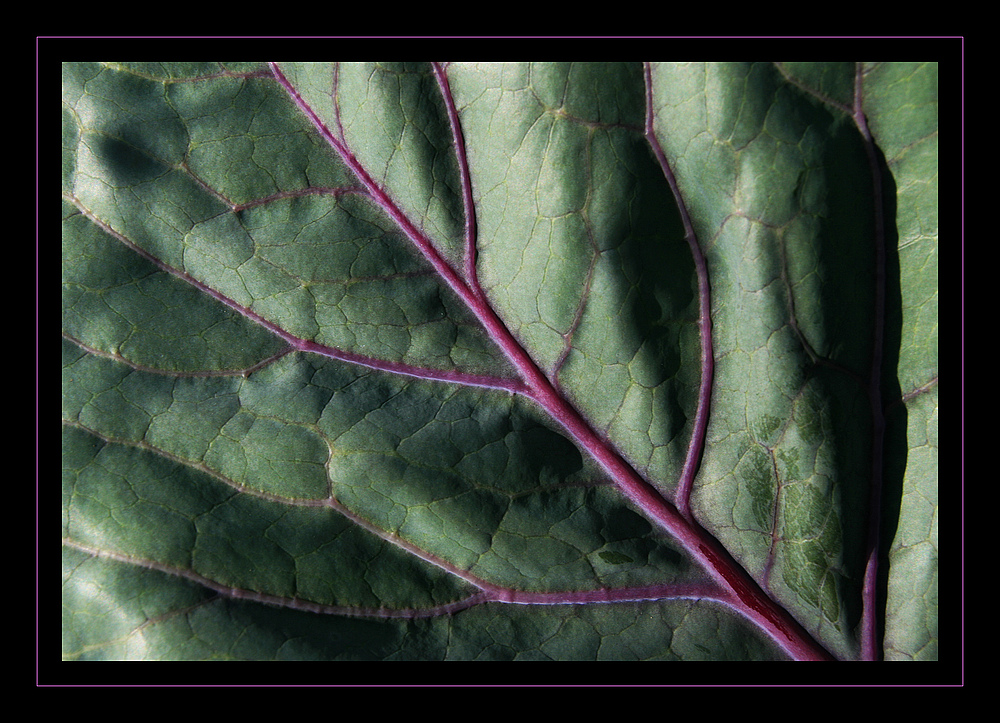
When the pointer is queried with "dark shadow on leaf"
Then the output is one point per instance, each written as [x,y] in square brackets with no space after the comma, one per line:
[848,258]
[895,449]
[125,164]
[658,290]
[847,264]
[550,456]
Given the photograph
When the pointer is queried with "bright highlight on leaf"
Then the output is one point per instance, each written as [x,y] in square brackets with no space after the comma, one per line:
[573,361]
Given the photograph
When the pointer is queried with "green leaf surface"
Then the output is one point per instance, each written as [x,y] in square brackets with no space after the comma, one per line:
[527,361]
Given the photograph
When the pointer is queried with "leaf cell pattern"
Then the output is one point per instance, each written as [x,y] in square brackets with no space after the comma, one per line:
[499,361]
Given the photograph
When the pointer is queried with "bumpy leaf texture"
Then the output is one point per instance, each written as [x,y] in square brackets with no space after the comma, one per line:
[428,361]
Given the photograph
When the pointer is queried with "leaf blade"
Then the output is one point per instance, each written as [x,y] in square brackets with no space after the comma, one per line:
[455,477]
